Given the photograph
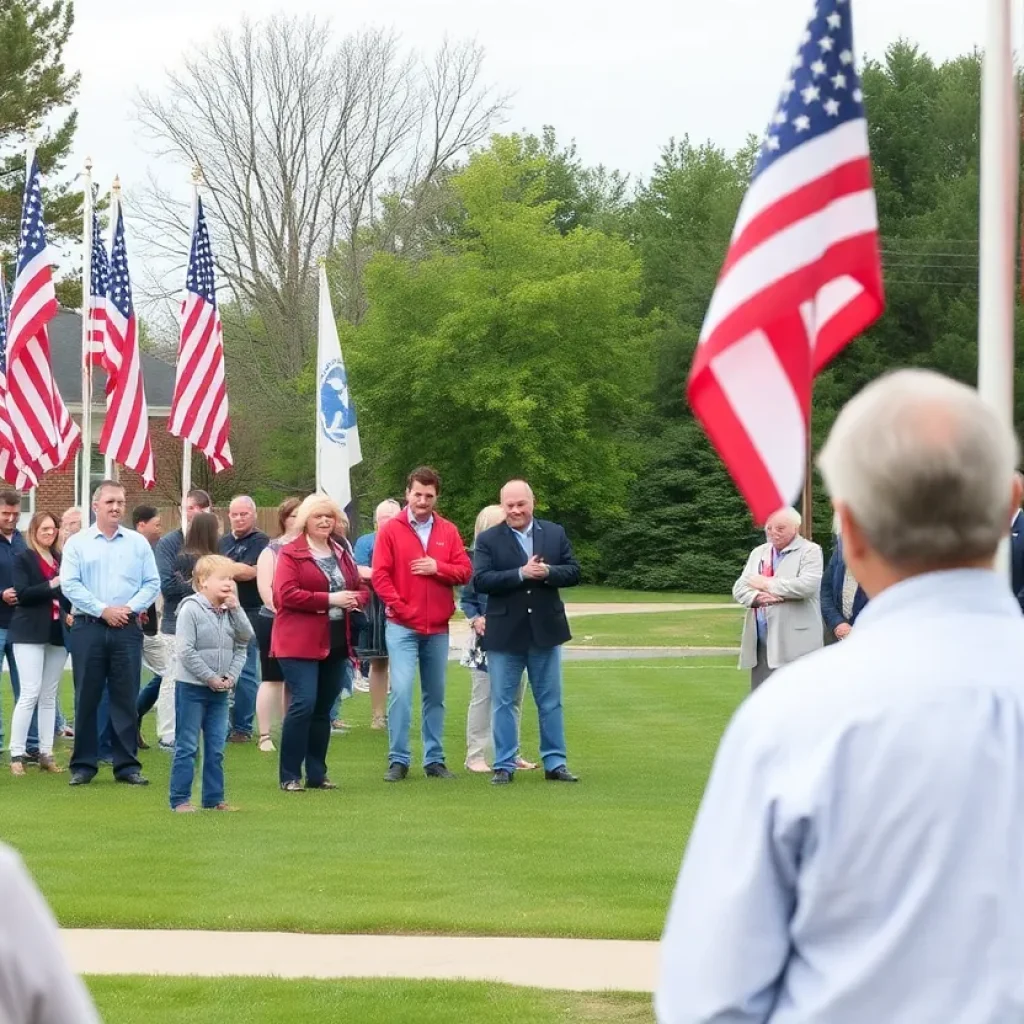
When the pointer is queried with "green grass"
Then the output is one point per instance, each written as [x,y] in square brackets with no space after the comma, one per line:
[609,595]
[595,860]
[718,628]
[133,1000]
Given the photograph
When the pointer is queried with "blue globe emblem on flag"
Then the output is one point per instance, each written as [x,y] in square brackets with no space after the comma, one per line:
[337,416]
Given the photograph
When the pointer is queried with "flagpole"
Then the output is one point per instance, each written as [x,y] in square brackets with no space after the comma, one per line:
[186,444]
[110,470]
[85,456]
[321,284]
[998,221]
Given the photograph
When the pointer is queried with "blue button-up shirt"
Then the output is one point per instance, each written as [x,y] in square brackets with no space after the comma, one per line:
[859,852]
[423,530]
[97,572]
[525,538]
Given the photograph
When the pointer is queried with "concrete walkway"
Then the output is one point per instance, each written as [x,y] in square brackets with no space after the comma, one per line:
[580,965]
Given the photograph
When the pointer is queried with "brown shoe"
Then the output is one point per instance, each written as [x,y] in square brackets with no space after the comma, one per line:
[239,737]
[140,741]
[222,807]
[49,765]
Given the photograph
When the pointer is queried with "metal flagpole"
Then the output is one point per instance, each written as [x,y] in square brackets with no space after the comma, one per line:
[317,411]
[998,221]
[110,471]
[186,445]
[85,453]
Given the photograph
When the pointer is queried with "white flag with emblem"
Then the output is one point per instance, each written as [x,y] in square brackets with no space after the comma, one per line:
[337,436]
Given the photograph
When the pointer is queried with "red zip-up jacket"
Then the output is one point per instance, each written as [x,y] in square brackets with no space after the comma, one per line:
[424,604]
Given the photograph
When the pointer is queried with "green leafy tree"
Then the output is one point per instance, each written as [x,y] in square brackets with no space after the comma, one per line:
[519,352]
[35,89]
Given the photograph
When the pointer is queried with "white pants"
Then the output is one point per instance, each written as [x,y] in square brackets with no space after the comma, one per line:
[478,720]
[158,657]
[39,667]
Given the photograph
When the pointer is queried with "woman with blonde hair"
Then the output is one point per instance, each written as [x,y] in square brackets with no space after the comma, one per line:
[316,589]
[270,695]
[478,720]
[37,635]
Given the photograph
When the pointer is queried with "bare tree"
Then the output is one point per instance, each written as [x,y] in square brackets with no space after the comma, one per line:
[298,135]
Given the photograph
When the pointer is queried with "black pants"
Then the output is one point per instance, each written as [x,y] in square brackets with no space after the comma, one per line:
[306,733]
[104,656]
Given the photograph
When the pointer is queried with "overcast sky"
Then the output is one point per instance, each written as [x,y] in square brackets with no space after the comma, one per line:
[621,78]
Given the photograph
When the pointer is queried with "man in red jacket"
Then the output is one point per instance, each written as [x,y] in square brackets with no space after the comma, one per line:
[417,560]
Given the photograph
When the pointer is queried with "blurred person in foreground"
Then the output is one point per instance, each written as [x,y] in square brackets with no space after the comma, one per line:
[37,984]
[857,855]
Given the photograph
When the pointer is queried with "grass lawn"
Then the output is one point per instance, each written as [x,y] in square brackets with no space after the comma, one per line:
[426,856]
[718,628]
[133,1000]
[609,595]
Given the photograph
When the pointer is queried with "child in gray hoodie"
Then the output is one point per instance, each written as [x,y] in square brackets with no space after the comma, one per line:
[212,636]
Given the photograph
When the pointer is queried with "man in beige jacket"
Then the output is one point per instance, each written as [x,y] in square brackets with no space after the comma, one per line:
[779,587]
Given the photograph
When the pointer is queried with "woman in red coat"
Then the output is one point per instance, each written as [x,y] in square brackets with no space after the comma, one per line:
[316,588]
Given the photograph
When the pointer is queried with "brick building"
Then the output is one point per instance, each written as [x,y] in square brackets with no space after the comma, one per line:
[59,490]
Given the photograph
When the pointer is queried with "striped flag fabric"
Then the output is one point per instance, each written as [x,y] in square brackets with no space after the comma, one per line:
[44,435]
[199,411]
[8,467]
[125,436]
[802,276]
[99,285]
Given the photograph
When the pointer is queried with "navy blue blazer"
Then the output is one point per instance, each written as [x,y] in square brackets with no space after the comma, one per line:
[524,613]
[832,592]
[1017,557]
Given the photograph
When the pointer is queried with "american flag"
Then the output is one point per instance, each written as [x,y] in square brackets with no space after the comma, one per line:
[199,412]
[802,276]
[8,468]
[99,285]
[125,436]
[44,435]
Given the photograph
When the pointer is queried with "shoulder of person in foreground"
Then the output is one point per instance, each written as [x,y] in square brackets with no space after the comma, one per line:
[37,983]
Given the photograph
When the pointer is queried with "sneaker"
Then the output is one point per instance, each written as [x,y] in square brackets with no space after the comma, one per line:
[437,770]
[361,685]
[184,809]
[167,748]
[396,772]
[339,728]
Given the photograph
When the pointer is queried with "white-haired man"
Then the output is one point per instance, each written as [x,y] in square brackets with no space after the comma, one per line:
[780,587]
[858,853]
[373,649]
[244,544]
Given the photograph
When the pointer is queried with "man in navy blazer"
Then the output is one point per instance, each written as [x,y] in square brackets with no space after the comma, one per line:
[521,565]
[1017,553]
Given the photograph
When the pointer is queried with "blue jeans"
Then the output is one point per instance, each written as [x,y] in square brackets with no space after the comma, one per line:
[248,682]
[543,667]
[406,648]
[7,651]
[147,697]
[306,730]
[198,708]
[346,687]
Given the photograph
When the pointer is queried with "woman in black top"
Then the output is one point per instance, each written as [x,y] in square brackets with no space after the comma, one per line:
[203,538]
[37,633]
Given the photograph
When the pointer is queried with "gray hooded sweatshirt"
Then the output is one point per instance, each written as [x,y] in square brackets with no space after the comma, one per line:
[210,642]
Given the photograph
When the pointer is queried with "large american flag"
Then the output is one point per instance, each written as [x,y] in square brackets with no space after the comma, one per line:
[99,285]
[8,467]
[125,436]
[802,276]
[44,435]
[199,412]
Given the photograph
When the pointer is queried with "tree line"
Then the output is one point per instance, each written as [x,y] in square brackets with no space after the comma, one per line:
[506,309]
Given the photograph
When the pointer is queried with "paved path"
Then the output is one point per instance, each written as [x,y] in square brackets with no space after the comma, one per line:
[580,965]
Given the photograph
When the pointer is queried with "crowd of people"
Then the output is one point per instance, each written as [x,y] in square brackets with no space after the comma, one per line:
[239,631]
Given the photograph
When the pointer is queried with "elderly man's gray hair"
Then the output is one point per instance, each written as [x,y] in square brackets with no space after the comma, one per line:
[386,505]
[788,515]
[245,500]
[925,468]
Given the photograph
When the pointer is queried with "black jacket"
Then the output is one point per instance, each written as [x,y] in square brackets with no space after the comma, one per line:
[524,613]
[33,621]
[1017,558]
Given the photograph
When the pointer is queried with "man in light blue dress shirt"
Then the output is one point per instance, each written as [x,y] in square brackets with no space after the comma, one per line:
[110,577]
[858,857]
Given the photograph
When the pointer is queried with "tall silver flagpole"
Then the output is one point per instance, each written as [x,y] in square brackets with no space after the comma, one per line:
[85,455]
[110,470]
[186,449]
[997,279]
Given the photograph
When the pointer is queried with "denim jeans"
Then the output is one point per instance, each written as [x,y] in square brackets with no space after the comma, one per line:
[199,709]
[147,697]
[406,649]
[7,652]
[543,667]
[346,687]
[306,731]
[248,682]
